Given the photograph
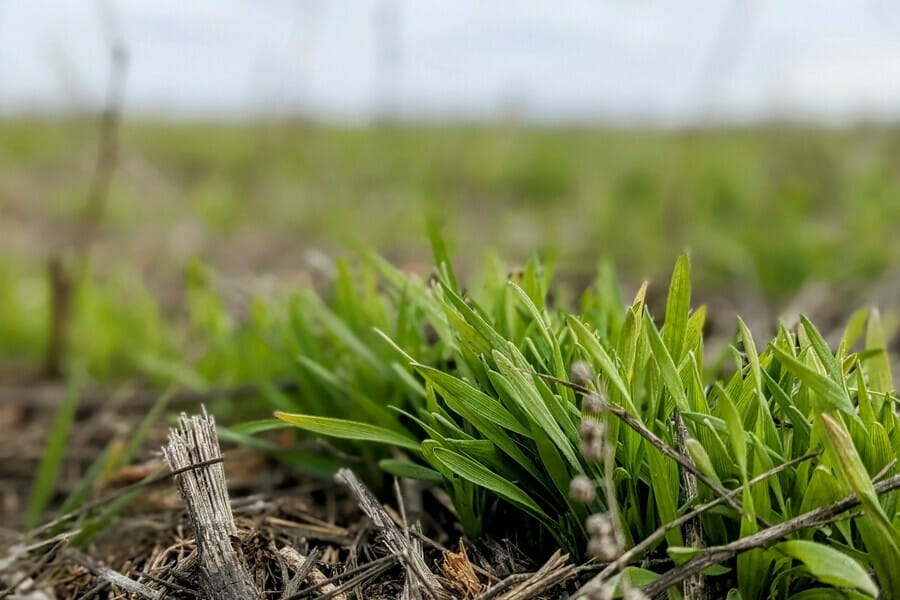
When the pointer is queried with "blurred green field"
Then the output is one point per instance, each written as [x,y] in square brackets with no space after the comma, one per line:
[764,212]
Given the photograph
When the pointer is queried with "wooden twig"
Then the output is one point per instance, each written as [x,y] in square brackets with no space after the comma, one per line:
[521,586]
[360,573]
[694,586]
[64,278]
[108,147]
[394,539]
[297,563]
[112,577]
[301,574]
[597,582]
[370,572]
[205,495]
[717,554]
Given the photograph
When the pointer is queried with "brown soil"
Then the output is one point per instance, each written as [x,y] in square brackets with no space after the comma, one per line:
[287,523]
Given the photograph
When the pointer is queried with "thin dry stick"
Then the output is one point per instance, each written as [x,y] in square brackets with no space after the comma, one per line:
[171,585]
[503,585]
[17,552]
[555,571]
[884,470]
[302,573]
[357,581]
[694,586]
[715,555]
[394,539]
[629,555]
[413,545]
[361,571]
[205,495]
[62,280]
[296,562]
[520,586]
[113,577]
[108,148]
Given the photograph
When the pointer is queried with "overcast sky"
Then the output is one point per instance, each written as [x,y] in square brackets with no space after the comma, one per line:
[626,60]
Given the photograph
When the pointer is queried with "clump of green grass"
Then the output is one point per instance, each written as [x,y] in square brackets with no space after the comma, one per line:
[473,390]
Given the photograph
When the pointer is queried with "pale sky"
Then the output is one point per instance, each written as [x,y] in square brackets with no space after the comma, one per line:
[567,60]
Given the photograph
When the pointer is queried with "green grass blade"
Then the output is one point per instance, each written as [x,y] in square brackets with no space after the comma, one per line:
[482,476]
[441,256]
[532,404]
[820,346]
[463,398]
[667,369]
[828,391]
[54,453]
[349,430]
[878,367]
[678,305]
[408,470]
[829,565]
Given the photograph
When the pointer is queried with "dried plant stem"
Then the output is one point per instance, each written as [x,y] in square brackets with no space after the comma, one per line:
[396,541]
[296,562]
[695,585]
[63,278]
[521,586]
[205,495]
[360,573]
[715,555]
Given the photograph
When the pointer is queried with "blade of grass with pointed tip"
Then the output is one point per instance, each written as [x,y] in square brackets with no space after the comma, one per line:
[608,367]
[667,369]
[54,453]
[831,393]
[481,476]
[820,346]
[350,430]
[678,305]
[408,470]
[876,529]
[878,367]
[856,324]
[736,432]
[459,395]
[439,251]
[559,366]
[532,404]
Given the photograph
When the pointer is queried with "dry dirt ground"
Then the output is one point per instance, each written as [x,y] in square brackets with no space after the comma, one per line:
[300,537]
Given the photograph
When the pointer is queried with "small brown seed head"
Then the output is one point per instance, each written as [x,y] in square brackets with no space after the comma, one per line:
[581,373]
[604,549]
[582,489]
[593,403]
[600,525]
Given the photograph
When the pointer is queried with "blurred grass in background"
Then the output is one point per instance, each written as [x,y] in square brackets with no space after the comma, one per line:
[765,212]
